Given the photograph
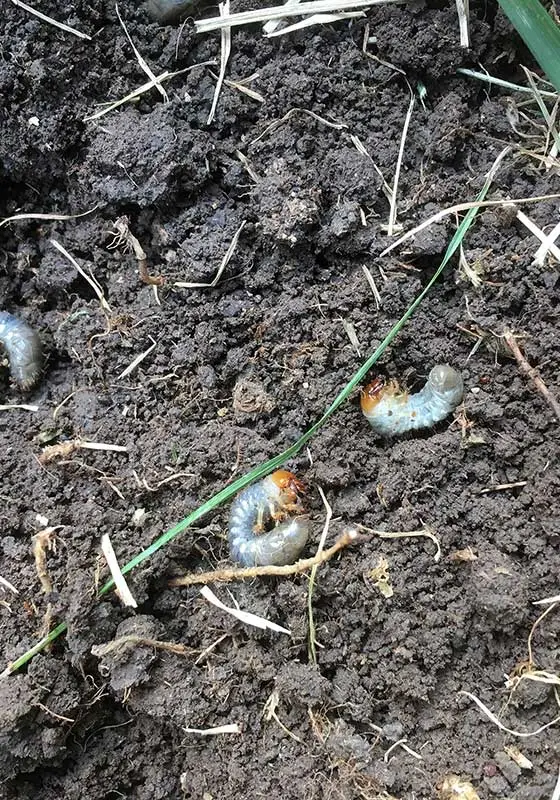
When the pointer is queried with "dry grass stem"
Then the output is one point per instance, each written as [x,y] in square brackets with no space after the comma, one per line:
[247,573]
[543,109]
[360,147]
[241,86]
[517,756]
[454,209]
[350,331]
[232,727]
[372,286]
[269,713]
[7,585]
[89,278]
[544,249]
[514,87]
[338,126]
[394,192]
[128,642]
[211,647]
[493,718]
[111,448]
[405,747]
[143,65]
[120,583]
[247,166]
[272,25]
[43,542]
[243,616]
[541,236]
[165,76]
[52,713]
[532,632]
[46,217]
[138,360]
[225,261]
[316,19]
[51,21]
[501,487]
[65,449]
[463,15]
[426,532]
[312,642]
[465,207]
[21,406]
[225,38]
[556,792]
[143,483]
[531,372]
[279,12]
[546,600]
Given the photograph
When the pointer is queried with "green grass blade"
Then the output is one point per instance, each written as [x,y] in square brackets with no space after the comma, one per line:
[268,466]
[539,32]
[41,644]
[513,87]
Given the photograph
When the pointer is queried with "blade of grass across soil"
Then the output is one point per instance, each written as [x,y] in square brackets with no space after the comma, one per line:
[539,31]
[273,463]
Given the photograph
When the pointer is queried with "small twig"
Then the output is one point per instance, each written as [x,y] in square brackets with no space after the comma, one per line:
[234,574]
[531,372]
[132,640]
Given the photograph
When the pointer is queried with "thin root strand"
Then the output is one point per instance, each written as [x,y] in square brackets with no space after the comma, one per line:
[233,574]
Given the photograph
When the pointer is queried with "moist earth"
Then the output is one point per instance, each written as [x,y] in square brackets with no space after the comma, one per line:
[295,171]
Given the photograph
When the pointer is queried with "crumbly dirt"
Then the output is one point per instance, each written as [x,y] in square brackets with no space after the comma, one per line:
[237,372]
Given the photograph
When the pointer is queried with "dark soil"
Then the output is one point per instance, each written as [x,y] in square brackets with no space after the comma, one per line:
[272,335]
